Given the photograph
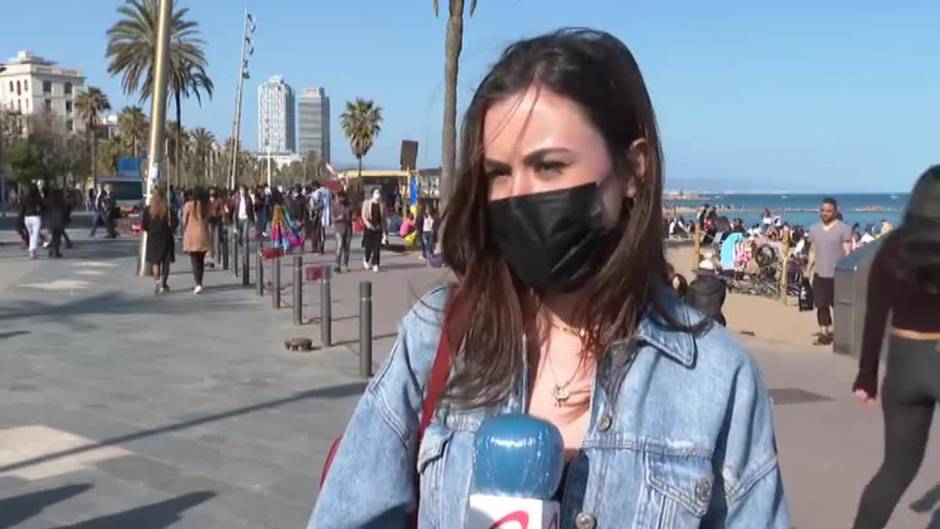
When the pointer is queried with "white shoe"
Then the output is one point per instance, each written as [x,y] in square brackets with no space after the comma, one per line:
[375,269]
[32,254]
[365,265]
[198,289]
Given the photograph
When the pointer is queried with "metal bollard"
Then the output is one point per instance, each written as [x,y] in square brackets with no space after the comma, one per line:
[298,290]
[326,311]
[246,258]
[237,243]
[259,273]
[223,246]
[276,286]
[365,328]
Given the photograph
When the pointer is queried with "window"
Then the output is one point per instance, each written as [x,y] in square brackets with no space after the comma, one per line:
[48,105]
[11,87]
[18,92]
[19,105]
[68,106]
[68,89]
[47,87]
[26,86]
[68,125]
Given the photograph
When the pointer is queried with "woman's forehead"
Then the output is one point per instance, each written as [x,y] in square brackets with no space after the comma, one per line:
[535,119]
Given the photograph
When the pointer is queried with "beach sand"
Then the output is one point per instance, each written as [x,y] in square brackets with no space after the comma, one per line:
[766,319]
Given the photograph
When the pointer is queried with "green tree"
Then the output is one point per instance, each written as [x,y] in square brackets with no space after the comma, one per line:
[88,106]
[132,127]
[361,123]
[452,49]
[131,45]
[203,141]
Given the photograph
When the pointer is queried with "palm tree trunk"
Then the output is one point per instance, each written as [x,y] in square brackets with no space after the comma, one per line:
[179,135]
[454,44]
[94,158]
[360,169]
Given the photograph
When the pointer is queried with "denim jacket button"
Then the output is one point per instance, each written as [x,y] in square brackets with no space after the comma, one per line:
[703,490]
[585,521]
[605,423]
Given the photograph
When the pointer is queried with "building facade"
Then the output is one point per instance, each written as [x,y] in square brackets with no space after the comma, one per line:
[313,108]
[276,130]
[30,85]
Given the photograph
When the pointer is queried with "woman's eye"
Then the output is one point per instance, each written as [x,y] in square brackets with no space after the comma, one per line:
[551,167]
[493,174]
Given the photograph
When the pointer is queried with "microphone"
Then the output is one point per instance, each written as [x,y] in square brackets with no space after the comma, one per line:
[518,465]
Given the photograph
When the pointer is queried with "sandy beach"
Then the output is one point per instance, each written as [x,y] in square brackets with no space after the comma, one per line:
[756,316]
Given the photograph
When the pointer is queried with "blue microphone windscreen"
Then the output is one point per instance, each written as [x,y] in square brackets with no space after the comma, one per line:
[518,455]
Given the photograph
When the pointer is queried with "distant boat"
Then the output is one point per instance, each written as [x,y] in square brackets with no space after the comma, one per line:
[894,197]
[784,197]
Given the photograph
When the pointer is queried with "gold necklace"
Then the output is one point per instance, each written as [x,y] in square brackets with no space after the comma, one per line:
[560,392]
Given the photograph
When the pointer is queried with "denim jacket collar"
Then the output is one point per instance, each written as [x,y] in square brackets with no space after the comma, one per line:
[676,344]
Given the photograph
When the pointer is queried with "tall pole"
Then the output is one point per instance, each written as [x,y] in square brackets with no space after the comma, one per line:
[157,114]
[242,74]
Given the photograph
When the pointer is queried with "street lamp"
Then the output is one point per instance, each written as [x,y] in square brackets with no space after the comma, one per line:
[248,49]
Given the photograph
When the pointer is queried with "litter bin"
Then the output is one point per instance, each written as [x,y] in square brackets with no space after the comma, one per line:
[850,296]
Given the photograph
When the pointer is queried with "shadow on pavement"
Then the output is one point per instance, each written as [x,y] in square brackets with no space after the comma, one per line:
[107,303]
[16,509]
[11,334]
[374,337]
[154,516]
[344,390]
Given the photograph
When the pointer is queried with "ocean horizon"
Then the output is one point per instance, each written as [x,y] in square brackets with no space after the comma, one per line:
[798,209]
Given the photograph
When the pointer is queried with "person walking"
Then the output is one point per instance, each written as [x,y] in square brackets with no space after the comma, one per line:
[160,223]
[373,219]
[196,239]
[830,241]
[31,207]
[342,217]
[108,210]
[559,311]
[216,217]
[428,231]
[321,202]
[904,281]
[243,212]
[98,219]
[55,212]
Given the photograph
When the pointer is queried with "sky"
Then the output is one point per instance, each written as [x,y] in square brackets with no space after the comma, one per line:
[796,97]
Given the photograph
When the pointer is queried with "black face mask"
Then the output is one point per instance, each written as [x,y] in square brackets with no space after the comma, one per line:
[552,240]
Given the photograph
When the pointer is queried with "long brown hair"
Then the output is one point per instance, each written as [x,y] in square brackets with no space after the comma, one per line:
[158,205]
[597,71]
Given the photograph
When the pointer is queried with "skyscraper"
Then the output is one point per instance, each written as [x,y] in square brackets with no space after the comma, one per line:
[276,132]
[313,107]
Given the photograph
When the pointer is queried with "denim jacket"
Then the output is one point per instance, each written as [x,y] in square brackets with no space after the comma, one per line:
[680,436]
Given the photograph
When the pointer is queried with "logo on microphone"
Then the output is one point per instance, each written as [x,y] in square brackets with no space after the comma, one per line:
[511,520]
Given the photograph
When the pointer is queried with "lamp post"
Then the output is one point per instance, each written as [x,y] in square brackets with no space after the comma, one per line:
[247,50]
[157,115]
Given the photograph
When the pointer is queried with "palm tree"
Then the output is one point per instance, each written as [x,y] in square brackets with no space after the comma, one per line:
[132,127]
[88,105]
[131,45]
[361,123]
[202,143]
[453,46]
[109,151]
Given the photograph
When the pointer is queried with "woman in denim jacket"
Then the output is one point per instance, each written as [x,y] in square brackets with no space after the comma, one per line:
[560,311]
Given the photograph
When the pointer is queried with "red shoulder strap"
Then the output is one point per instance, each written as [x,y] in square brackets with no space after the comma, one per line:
[437,381]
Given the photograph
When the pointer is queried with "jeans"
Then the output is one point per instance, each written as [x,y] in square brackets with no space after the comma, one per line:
[372,242]
[94,223]
[910,393]
[427,244]
[198,261]
[33,226]
[343,240]
[56,242]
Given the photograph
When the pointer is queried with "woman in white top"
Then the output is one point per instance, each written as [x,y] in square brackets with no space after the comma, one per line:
[428,227]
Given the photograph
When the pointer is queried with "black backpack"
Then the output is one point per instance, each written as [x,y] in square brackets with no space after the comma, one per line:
[806,296]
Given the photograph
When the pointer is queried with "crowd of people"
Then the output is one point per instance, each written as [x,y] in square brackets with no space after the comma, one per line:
[42,217]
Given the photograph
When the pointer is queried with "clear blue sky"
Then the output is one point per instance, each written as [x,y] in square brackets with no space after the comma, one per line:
[839,98]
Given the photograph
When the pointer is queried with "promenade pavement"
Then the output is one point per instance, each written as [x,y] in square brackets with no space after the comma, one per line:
[120,409]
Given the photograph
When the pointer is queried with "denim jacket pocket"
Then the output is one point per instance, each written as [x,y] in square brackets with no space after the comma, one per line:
[684,485]
[430,466]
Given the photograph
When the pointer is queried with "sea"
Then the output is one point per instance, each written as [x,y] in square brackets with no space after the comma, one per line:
[798,209]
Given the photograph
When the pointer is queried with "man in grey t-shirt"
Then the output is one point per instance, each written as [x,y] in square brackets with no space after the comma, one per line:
[831,240]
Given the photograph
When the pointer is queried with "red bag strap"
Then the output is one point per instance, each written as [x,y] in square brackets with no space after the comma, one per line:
[437,381]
